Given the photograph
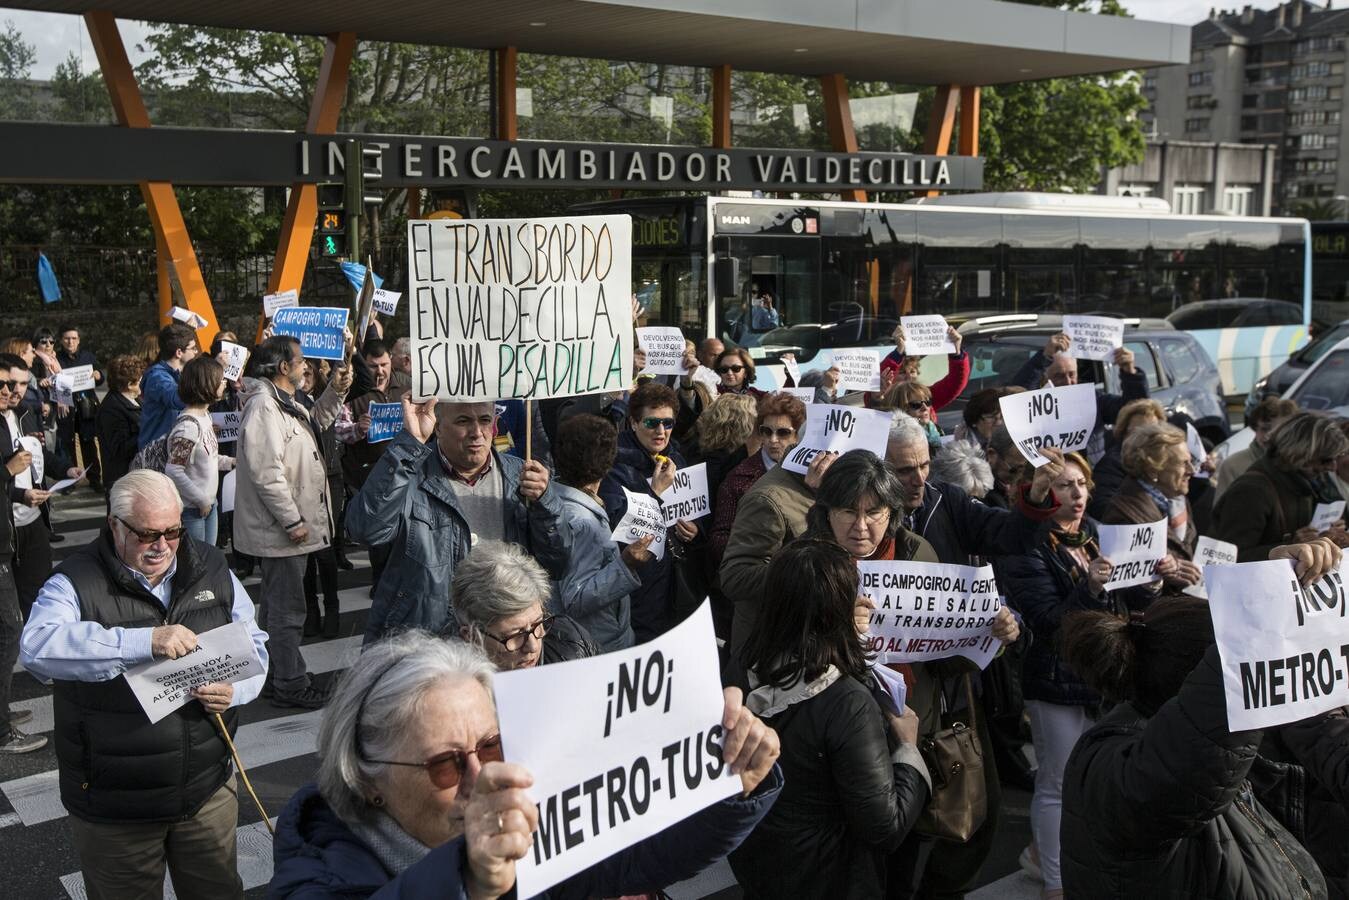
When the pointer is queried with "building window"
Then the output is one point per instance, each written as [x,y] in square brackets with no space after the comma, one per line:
[1250,123]
[1334,93]
[1198,79]
[1193,125]
[1149,82]
[1237,201]
[1331,117]
[1311,141]
[1332,140]
[1198,55]
[1318,45]
[1134,190]
[1250,101]
[1187,200]
[1200,101]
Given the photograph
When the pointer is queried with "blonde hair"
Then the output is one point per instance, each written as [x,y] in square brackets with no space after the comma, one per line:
[1145,449]
[728,422]
[1132,413]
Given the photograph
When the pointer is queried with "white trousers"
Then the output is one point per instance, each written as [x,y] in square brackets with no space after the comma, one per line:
[1055,729]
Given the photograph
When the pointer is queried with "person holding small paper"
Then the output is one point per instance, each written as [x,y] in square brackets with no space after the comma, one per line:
[897,368]
[194,461]
[414,799]
[160,403]
[119,417]
[141,795]
[78,424]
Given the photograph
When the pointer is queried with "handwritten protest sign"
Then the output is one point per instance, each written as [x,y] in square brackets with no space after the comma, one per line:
[227,485]
[805,395]
[386,421]
[318,328]
[1134,550]
[931,611]
[664,349]
[282,300]
[838,428]
[643,517]
[790,366]
[236,357]
[1210,552]
[1061,417]
[63,390]
[226,425]
[1284,648]
[1093,337]
[859,370]
[386,302]
[225,654]
[687,498]
[925,336]
[1327,514]
[187,317]
[621,746]
[520,307]
[81,377]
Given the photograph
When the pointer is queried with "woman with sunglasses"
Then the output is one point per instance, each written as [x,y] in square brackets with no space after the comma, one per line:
[414,798]
[915,399]
[778,423]
[736,368]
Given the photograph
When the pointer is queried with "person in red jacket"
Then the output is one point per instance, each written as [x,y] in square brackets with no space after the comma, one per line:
[897,367]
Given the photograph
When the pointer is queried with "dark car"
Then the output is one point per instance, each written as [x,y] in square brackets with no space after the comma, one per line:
[1181,376]
[1281,379]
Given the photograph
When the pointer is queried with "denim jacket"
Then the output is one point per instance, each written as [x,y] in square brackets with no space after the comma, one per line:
[594,588]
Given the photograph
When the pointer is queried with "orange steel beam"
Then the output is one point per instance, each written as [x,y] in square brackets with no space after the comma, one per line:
[171,238]
[941,123]
[838,118]
[721,107]
[968,144]
[507,124]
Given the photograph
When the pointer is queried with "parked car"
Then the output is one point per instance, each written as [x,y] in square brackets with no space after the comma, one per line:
[1181,376]
[1282,378]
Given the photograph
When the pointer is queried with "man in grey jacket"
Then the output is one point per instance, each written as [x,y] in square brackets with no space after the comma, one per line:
[432,501]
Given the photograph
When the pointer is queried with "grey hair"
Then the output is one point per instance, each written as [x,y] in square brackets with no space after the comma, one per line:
[402,347]
[385,688]
[854,476]
[494,581]
[1305,439]
[963,464]
[904,429]
[141,485]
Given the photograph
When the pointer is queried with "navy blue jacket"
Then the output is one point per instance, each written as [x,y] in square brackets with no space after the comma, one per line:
[317,856]
[959,526]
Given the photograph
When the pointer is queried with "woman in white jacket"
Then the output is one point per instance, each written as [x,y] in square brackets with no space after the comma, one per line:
[194,460]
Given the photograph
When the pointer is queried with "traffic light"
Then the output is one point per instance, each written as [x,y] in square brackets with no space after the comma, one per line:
[332,220]
[363,168]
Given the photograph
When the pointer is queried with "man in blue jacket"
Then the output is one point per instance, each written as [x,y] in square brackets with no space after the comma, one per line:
[160,403]
[432,501]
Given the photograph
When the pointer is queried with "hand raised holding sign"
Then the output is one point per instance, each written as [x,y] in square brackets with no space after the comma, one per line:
[1312,560]
[216,697]
[861,613]
[1124,358]
[1098,575]
[1042,484]
[533,480]
[19,462]
[1005,626]
[172,641]
[749,747]
[1057,343]
[419,419]
[499,823]
[818,466]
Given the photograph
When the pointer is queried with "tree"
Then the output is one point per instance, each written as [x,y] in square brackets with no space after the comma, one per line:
[16,65]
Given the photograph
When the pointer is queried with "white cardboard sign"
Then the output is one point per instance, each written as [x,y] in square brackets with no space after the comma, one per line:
[664,348]
[840,429]
[81,378]
[621,747]
[1284,648]
[236,357]
[225,654]
[859,370]
[1327,514]
[1195,444]
[928,611]
[1093,337]
[643,517]
[805,395]
[63,390]
[1060,417]
[790,366]
[386,302]
[1134,550]
[187,317]
[272,302]
[925,336]
[1210,552]
[527,308]
[226,425]
[687,498]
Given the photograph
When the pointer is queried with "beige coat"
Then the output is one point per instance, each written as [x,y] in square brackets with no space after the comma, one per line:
[282,478]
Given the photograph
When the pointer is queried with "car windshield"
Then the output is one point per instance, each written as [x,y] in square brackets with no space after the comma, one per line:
[1319,347]
[1327,386]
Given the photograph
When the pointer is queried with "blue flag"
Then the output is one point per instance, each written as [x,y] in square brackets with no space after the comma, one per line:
[355,273]
[47,284]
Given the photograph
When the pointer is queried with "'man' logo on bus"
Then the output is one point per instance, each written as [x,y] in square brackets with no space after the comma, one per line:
[735,220]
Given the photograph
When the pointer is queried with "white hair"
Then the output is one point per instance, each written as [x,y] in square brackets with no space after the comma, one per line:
[494,581]
[905,429]
[963,464]
[142,485]
[402,347]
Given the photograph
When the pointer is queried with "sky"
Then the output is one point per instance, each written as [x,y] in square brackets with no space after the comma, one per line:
[55,36]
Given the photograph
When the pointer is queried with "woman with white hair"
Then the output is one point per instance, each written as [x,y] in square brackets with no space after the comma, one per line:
[414,799]
[501,598]
[963,464]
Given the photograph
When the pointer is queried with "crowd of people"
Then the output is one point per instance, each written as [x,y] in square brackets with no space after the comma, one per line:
[489,528]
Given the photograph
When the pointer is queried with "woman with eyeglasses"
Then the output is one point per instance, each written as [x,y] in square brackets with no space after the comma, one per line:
[778,422]
[45,367]
[414,797]
[736,368]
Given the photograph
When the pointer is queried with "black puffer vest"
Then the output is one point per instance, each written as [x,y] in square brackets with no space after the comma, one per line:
[114,765]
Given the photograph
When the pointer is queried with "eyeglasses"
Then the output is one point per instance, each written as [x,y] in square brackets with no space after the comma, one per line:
[47,341]
[651,423]
[920,404]
[13,385]
[781,434]
[849,517]
[722,370]
[515,642]
[152,537]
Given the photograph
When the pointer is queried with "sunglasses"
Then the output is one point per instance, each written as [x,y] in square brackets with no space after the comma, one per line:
[515,641]
[722,370]
[13,385]
[47,341]
[920,404]
[152,537]
[781,434]
[651,423]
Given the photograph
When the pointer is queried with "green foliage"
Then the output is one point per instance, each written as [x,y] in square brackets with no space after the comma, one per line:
[16,65]
[1323,209]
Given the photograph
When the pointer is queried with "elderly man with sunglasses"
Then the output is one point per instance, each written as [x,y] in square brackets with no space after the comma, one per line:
[142,795]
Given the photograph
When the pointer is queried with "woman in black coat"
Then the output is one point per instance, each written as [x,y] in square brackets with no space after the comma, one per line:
[854,781]
[118,423]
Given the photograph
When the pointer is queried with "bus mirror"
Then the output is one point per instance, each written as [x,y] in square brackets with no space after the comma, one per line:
[726,275]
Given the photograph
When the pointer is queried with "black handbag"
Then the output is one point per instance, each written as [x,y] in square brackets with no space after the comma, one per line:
[955,762]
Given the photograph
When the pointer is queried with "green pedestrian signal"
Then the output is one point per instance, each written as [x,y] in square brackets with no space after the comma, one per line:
[331,245]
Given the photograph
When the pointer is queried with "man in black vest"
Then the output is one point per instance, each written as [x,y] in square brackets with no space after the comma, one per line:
[141,795]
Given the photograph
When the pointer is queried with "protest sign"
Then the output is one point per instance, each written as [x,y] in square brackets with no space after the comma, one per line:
[64,485]
[858,370]
[930,611]
[1327,514]
[1284,648]
[687,498]
[226,425]
[1093,337]
[386,302]
[236,357]
[1061,417]
[81,378]
[621,746]
[664,349]
[1198,455]
[187,317]
[925,336]
[386,421]
[272,302]
[1134,550]
[643,517]
[805,395]
[227,485]
[526,308]
[708,379]
[838,428]
[63,390]
[320,329]
[225,654]
[789,365]
[1210,552]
